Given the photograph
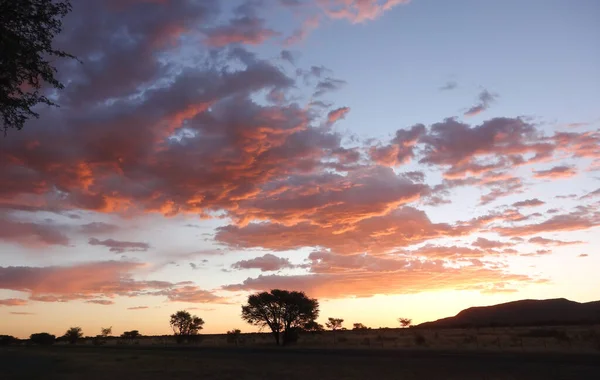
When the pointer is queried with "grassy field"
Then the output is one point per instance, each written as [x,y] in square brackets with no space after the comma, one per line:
[537,339]
[159,363]
[491,353]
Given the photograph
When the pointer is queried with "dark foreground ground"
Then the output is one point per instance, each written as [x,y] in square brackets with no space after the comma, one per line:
[141,363]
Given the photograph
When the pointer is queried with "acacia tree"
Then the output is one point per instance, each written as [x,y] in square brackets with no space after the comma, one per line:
[359,326]
[131,335]
[185,325]
[27,29]
[334,324]
[73,334]
[284,312]
[405,322]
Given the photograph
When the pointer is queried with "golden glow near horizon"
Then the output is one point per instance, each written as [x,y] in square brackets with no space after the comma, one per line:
[386,166]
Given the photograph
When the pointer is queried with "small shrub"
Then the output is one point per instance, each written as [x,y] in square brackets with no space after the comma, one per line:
[234,336]
[420,340]
[43,339]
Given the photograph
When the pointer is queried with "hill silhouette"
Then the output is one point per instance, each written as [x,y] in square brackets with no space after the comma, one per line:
[559,311]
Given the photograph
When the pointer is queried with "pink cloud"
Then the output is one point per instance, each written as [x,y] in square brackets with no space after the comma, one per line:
[298,35]
[358,11]
[13,302]
[101,302]
[245,30]
[265,263]
[337,114]
[578,220]
[529,203]
[137,308]
[489,244]
[543,241]
[31,234]
[90,281]
[556,172]
[485,99]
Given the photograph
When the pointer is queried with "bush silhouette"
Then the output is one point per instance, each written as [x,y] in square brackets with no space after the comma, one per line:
[234,336]
[131,335]
[73,335]
[7,340]
[43,339]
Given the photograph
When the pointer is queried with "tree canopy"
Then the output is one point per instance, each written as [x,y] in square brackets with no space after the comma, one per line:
[27,30]
[334,323]
[42,338]
[281,311]
[73,334]
[185,324]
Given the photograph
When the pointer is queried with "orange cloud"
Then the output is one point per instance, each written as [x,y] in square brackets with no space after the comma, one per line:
[377,234]
[335,276]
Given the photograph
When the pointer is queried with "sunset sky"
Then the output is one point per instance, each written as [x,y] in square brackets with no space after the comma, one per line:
[391,158]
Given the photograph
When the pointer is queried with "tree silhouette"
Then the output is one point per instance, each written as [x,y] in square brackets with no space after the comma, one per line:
[334,323]
[359,326]
[73,334]
[27,28]
[105,331]
[405,322]
[185,325]
[44,339]
[313,326]
[282,311]
[131,335]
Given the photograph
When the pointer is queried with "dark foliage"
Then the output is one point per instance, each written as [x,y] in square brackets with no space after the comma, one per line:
[186,326]
[313,327]
[73,335]
[43,339]
[131,335]
[284,312]
[27,29]
[234,336]
[7,340]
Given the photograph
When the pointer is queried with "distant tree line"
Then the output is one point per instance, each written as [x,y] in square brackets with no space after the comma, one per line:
[286,314]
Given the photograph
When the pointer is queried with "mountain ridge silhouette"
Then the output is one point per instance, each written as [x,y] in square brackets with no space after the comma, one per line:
[527,312]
